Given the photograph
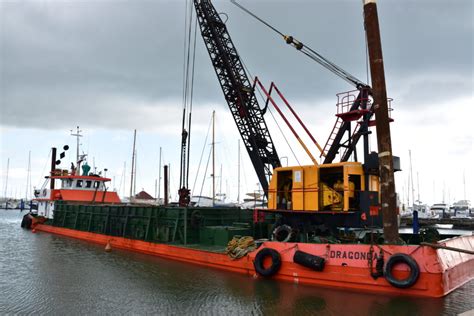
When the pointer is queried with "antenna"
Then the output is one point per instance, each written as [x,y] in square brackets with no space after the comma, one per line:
[77,135]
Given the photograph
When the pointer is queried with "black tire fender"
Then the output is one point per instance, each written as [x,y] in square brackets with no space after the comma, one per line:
[259,259]
[410,262]
[26,221]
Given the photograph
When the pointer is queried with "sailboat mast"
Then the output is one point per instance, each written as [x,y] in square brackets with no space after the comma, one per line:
[411,181]
[238,171]
[213,157]
[408,191]
[159,177]
[464,183]
[220,184]
[28,177]
[6,182]
[418,185]
[135,175]
[124,178]
[133,163]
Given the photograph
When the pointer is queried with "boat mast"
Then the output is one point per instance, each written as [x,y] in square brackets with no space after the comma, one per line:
[124,173]
[418,186]
[464,183]
[77,135]
[28,177]
[133,163]
[408,191]
[213,157]
[238,171]
[135,174]
[411,181]
[159,177]
[384,142]
[220,185]
[6,183]
[444,192]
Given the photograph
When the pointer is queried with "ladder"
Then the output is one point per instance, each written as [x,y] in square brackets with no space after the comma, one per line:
[332,136]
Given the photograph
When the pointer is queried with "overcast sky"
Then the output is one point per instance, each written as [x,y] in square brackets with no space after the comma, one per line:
[113,66]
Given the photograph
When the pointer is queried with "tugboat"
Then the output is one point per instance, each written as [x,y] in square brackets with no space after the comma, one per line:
[75,188]
[330,225]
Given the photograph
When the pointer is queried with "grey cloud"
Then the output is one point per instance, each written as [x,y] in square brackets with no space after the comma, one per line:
[56,56]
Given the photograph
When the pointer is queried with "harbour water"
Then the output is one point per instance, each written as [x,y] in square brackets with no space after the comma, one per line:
[47,274]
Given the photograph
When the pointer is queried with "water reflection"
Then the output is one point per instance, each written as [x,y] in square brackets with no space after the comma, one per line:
[47,274]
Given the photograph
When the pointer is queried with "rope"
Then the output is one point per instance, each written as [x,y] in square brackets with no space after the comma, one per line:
[273,117]
[191,102]
[308,51]
[44,168]
[240,246]
[188,83]
[256,17]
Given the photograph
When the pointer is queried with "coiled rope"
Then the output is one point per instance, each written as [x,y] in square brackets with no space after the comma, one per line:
[240,246]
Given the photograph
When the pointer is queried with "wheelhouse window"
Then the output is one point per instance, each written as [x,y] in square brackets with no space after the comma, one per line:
[66,183]
[88,184]
[96,184]
[79,184]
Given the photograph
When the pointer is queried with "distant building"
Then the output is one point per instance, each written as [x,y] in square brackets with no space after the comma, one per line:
[142,195]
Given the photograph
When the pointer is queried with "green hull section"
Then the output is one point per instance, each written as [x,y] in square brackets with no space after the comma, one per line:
[174,225]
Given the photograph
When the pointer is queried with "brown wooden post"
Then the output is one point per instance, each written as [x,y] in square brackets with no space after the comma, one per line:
[165,186]
[53,167]
[387,181]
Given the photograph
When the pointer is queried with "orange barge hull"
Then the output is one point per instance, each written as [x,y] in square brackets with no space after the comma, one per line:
[441,271]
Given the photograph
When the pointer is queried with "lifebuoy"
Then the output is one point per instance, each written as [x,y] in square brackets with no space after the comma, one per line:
[283,233]
[260,258]
[410,262]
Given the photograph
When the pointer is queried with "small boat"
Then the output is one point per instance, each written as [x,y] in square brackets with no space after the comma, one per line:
[441,210]
[462,209]
[75,188]
[424,211]
[205,201]
[444,226]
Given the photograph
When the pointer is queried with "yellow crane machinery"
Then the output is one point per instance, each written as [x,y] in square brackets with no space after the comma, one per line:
[332,187]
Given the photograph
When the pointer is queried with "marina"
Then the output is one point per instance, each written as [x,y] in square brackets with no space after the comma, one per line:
[321,218]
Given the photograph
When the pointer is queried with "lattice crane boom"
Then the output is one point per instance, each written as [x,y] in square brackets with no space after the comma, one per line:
[238,91]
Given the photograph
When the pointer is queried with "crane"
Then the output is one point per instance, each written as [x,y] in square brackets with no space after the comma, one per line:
[238,92]
[334,194]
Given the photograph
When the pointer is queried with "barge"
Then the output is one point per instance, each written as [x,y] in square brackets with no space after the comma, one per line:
[323,223]
[201,236]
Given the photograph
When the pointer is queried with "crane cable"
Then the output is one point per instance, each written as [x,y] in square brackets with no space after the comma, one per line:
[271,113]
[308,51]
[189,58]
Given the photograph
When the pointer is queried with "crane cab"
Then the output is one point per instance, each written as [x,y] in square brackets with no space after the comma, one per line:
[335,187]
